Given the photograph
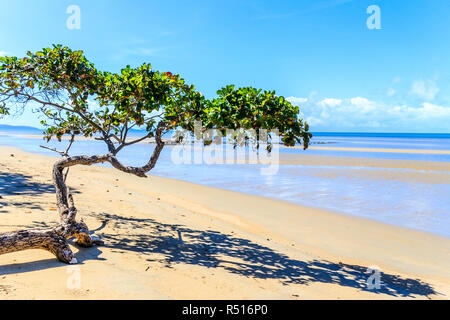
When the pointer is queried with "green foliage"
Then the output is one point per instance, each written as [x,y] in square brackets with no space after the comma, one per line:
[246,108]
[78,99]
[4,110]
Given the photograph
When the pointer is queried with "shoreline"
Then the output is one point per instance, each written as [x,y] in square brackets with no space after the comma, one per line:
[301,234]
[311,147]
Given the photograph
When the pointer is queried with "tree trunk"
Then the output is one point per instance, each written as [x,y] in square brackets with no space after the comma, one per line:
[48,240]
[55,240]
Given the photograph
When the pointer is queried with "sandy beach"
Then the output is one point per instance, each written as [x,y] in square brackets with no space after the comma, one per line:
[169,239]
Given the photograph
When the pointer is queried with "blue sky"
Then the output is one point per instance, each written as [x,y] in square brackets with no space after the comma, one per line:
[320,54]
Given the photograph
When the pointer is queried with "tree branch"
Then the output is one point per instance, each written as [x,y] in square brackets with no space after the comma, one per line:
[126,144]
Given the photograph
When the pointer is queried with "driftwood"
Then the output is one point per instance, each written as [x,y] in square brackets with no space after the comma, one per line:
[55,240]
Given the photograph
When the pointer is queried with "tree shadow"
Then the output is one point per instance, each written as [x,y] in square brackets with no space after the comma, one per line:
[17,184]
[176,244]
[23,267]
[212,249]
[82,255]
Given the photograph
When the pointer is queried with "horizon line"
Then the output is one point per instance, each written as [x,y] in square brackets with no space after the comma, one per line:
[313,132]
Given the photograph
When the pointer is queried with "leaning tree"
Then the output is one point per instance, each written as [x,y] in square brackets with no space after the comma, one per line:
[76,99]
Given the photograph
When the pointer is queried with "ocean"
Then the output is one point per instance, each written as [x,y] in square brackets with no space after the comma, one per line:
[376,193]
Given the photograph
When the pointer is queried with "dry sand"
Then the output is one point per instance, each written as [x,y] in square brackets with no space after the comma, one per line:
[169,239]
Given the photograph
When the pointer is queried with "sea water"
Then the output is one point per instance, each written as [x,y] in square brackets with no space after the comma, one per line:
[417,205]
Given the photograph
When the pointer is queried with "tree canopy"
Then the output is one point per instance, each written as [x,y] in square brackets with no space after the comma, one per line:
[78,99]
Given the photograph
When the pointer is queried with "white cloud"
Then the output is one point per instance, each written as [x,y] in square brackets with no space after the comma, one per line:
[359,101]
[3,53]
[426,90]
[330,102]
[434,111]
[362,105]
[362,114]
[296,100]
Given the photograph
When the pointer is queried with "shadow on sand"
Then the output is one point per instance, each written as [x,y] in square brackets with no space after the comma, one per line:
[212,249]
[16,184]
[19,184]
